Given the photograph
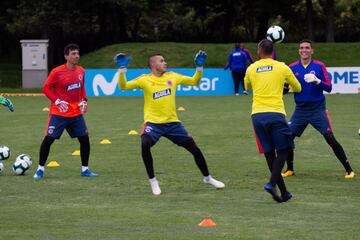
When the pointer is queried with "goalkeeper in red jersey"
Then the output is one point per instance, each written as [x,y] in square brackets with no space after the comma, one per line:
[66,91]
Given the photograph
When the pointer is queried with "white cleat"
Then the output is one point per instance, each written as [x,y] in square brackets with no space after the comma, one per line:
[155,188]
[210,180]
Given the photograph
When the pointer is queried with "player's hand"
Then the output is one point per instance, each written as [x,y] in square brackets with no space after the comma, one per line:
[83,106]
[200,58]
[7,103]
[311,78]
[121,60]
[62,105]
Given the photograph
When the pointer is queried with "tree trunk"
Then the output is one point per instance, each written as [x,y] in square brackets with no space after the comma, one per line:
[329,12]
[310,20]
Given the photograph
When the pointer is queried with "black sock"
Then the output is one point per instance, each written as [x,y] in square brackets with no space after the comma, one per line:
[191,146]
[146,144]
[290,160]
[45,149]
[84,150]
[338,150]
[275,164]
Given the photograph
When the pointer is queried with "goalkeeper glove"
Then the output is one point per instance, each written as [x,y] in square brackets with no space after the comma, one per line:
[7,103]
[311,78]
[200,58]
[62,105]
[83,106]
[121,60]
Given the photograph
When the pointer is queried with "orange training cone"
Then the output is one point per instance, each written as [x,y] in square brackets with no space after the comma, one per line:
[207,222]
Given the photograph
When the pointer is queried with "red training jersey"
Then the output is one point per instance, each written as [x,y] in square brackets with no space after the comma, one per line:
[68,85]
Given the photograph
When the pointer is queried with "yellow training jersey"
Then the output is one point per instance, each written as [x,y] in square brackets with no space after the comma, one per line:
[266,78]
[159,93]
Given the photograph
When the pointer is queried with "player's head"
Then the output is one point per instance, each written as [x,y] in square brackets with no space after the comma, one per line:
[305,49]
[237,45]
[242,46]
[157,63]
[72,53]
[265,48]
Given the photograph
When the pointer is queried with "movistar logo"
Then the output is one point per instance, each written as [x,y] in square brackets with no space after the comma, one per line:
[162,93]
[264,69]
[74,86]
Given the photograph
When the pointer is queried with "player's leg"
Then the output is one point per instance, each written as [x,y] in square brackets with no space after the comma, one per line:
[149,136]
[321,122]
[242,75]
[236,79]
[54,130]
[77,129]
[178,135]
[297,124]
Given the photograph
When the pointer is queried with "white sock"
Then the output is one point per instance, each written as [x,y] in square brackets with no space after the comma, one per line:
[84,168]
[42,168]
[153,179]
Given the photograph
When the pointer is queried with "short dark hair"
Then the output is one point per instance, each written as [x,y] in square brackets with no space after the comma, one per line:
[306,41]
[153,55]
[237,45]
[70,47]
[266,46]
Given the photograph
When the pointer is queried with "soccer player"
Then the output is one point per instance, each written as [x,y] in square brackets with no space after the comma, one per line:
[311,105]
[266,78]
[7,103]
[249,58]
[66,91]
[237,62]
[160,116]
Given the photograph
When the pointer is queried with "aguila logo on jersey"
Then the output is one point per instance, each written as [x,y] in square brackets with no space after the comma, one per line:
[264,69]
[74,86]
[162,93]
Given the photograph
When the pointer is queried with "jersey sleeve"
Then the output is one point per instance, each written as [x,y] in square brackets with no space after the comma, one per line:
[290,78]
[247,82]
[325,83]
[128,85]
[49,84]
[191,81]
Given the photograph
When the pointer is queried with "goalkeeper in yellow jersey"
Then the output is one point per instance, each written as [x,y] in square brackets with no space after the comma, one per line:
[160,118]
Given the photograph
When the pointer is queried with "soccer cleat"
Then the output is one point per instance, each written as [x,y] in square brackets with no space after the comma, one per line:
[38,175]
[286,197]
[270,189]
[210,180]
[245,92]
[288,173]
[350,175]
[88,173]
[155,188]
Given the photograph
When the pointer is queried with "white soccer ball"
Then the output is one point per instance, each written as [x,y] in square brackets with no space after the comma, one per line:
[1,167]
[24,157]
[20,167]
[275,34]
[4,152]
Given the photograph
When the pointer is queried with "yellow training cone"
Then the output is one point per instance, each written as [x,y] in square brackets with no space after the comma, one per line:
[181,109]
[133,132]
[105,141]
[53,164]
[76,153]
[45,109]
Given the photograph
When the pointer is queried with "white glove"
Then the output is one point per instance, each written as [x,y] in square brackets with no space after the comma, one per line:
[62,105]
[311,78]
[83,106]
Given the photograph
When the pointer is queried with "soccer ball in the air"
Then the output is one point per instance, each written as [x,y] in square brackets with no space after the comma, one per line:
[4,152]
[22,164]
[24,157]
[1,167]
[275,34]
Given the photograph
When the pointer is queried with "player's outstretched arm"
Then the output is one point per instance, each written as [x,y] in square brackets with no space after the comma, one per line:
[7,103]
[199,60]
[121,62]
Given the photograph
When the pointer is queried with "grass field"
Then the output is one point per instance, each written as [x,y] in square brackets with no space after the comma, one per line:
[119,205]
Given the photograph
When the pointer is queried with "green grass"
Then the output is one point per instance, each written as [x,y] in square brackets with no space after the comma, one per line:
[119,205]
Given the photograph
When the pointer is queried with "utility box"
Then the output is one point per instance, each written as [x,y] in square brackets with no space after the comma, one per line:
[34,62]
